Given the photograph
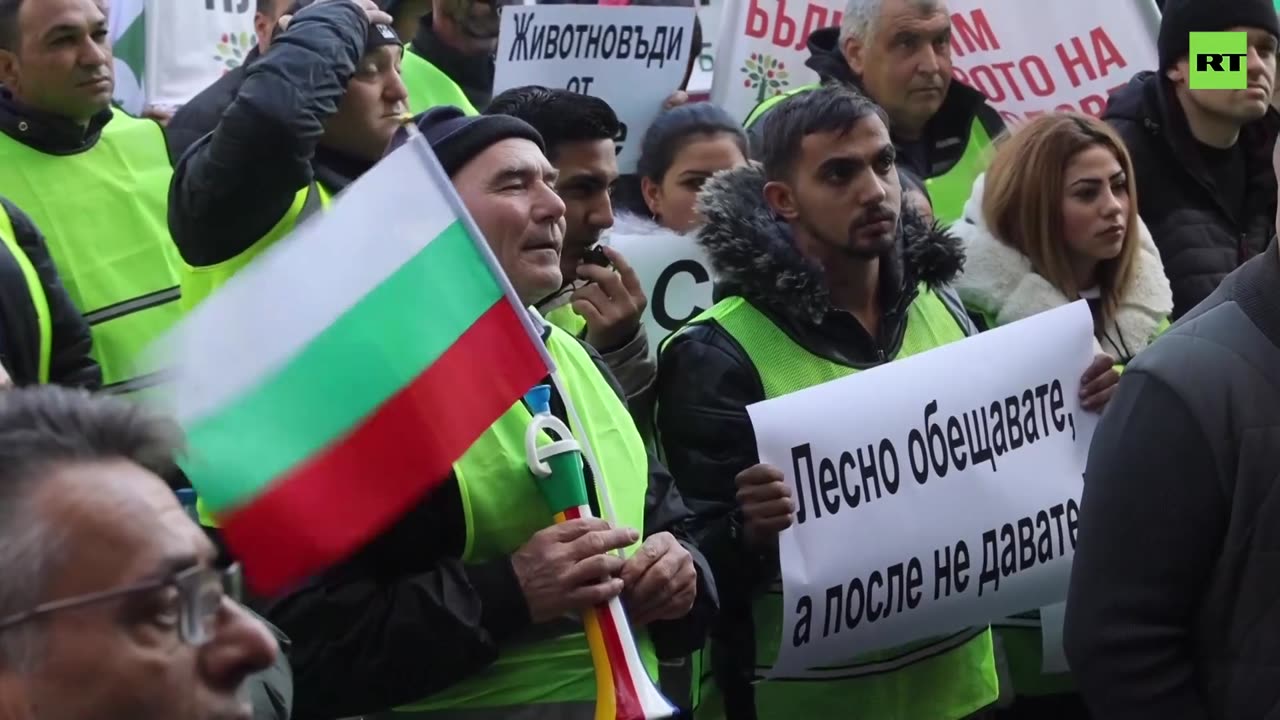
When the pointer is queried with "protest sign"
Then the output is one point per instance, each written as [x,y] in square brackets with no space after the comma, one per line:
[126,28]
[709,14]
[1026,57]
[676,276]
[192,43]
[1033,58]
[934,493]
[631,57]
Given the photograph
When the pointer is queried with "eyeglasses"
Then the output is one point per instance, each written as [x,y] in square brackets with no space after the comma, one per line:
[200,593]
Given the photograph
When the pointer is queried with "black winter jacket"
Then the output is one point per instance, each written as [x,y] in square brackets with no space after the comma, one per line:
[706,381]
[200,115]
[1173,609]
[1200,234]
[407,617]
[69,360]
[945,136]
[235,184]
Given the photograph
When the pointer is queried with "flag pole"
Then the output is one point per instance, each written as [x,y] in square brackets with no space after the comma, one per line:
[460,211]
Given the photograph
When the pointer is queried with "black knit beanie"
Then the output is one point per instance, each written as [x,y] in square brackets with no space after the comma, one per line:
[1182,17]
[457,137]
[377,36]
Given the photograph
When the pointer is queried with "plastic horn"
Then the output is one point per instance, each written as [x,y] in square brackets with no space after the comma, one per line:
[623,688]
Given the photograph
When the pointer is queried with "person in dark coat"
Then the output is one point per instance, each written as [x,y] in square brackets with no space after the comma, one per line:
[200,115]
[20,327]
[1172,612]
[1202,157]
[312,115]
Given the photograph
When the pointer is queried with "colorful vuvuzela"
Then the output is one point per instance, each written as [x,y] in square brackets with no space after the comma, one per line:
[624,690]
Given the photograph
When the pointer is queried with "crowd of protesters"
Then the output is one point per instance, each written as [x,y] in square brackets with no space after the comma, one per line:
[881,213]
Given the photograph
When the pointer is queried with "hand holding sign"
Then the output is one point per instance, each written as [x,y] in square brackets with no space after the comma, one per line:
[1098,383]
[612,302]
[766,503]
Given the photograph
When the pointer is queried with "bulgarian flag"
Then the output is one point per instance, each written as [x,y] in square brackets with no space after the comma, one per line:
[332,383]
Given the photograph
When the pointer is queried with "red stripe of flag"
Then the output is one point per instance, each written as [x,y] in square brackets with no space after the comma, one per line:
[331,505]
[627,699]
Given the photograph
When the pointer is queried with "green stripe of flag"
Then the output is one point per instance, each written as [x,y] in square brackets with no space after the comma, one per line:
[373,350]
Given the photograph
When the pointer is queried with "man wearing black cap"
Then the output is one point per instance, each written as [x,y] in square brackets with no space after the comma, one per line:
[468,606]
[315,112]
[1203,157]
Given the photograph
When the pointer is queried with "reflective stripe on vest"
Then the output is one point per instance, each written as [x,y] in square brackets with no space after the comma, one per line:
[941,678]
[541,677]
[198,283]
[35,290]
[103,213]
[429,87]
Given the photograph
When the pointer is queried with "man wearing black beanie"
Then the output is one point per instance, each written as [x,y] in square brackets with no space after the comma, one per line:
[1203,157]
[465,608]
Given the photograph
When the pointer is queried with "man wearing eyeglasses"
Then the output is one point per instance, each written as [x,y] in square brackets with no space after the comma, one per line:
[111,606]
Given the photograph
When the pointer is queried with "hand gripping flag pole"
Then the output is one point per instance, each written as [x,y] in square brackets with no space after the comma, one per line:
[624,690]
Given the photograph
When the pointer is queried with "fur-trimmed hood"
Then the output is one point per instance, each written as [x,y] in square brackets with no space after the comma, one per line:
[998,280]
[753,255]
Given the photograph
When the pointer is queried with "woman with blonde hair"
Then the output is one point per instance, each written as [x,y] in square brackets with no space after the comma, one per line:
[1054,220]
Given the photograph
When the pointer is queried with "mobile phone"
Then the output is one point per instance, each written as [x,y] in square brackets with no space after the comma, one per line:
[595,256]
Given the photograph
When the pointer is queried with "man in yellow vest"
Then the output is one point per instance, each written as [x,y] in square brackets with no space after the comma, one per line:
[43,338]
[823,273]
[313,113]
[898,53]
[93,179]
[601,299]
[467,606]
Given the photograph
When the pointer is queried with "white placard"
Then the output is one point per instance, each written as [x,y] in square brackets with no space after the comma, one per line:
[1026,57]
[192,43]
[916,422]
[596,50]
[710,13]
[676,276]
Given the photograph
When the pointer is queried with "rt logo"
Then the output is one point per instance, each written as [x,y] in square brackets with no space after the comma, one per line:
[1218,61]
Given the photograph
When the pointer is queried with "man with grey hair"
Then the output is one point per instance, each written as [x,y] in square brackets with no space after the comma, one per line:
[112,605]
[898,53]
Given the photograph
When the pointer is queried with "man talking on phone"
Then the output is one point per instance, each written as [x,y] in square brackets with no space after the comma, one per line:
[601,301]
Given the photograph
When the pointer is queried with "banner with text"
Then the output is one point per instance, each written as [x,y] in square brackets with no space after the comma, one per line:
[192,43]
[934,493]
[676,276]
[631,57]
[1028,58]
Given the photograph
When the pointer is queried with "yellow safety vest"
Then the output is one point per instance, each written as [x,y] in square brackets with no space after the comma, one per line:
[429,87]
[199,282]
[35,290]
[104,216]
[944,678]
[547,674]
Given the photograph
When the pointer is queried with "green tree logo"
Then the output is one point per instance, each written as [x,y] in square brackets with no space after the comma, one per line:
[766,75]
[232,48]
